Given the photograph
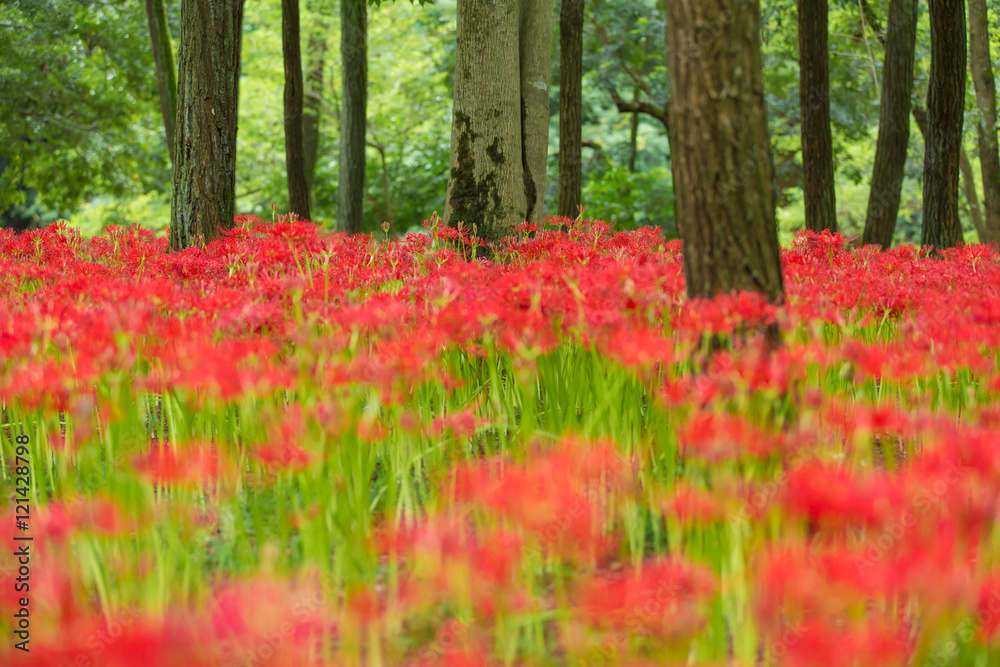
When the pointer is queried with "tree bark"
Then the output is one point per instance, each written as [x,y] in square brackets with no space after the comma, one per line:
[166,73]
[570,107]
[204,192]
[965,167]
[298,189]
[971,196]
[945,117]
[814,105]
[535,74]
[486,187]
[893,125]
[723,169]
[986,101]
[499,132]
[313,105]
[354,77]
[633,136]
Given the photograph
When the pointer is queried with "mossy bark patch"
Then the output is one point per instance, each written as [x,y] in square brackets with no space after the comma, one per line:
[475,200]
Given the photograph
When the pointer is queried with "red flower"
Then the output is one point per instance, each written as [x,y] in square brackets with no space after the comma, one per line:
[193,463]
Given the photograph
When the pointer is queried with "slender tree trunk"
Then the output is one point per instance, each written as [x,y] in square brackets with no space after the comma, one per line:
[986,100]
[893,124]
[971,196]
[965,167]
[354,57]
[721,150]
[945,117]
[386,183]
[535,73]
[814,104]
[570,107]
[298,189]
[633,143]
[313,105]
[166,74]
[486,187]
[204,193]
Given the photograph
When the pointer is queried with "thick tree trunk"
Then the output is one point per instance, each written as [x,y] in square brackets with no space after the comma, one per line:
[313,105]
[354,57]
[986,100]
[965,167]
[721,150]
[486,187]
[945,116]
[204,193]
[814,105]
[166,73]
[500,118]
[536,72]
[570,107]
[295,166]
[893,125]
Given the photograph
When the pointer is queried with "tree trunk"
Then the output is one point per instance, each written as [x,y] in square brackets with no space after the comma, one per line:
[814,105]
[535,73]
[295,166]
[945,111]
[893,125]
[486,187]
[354,77]
[721,150]
[633,138]
[166,74]
[204,193]
[971,196]
[986,100]
[965,167]
[313,105]
[570,107]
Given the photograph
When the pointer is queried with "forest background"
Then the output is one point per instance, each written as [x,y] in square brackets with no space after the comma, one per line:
[81,136]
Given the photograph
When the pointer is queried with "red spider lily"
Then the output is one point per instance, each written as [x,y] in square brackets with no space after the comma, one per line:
[829,493]
[664,599]
[556,497]
[988,609]
[460,424]
[264,620]
[637,348]
[193,463]
[283,456]
[100,515]
[283,452]
[691,505]
[718,436]
[447,557]
[867,644]
[128,639]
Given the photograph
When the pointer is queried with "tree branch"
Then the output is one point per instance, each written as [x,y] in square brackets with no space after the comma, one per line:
[624,106]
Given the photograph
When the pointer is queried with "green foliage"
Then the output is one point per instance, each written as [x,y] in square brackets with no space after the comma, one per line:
[78,102]
[81,134]
[639,199]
